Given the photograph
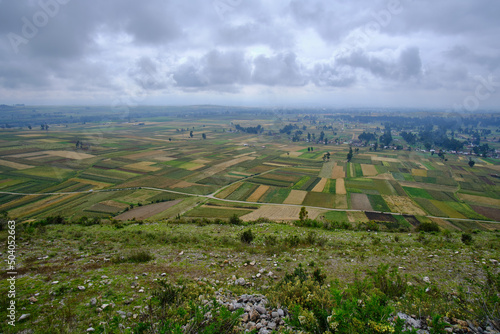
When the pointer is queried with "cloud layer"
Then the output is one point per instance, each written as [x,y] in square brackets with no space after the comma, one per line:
[381,53]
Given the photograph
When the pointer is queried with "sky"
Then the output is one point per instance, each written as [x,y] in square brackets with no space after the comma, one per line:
[314,53]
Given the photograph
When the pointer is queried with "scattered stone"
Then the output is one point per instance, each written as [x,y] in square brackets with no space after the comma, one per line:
[427,280]
[163,274]
[33,299]
[81,287]
[90,329]
[181,253]
[55,282]
[103,306]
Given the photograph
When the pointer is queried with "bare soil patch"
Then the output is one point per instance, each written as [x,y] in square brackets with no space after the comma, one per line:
[492,213]
[380,217]
[146,211]
[419,172]
[360,202]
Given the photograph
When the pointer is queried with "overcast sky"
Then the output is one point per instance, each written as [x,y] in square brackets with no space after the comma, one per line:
[395,53]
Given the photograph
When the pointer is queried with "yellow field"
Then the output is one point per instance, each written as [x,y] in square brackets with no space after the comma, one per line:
[27,155]
[403,204]
[419,172]
[340,187]
[292,154]
[274,164]
[279,213]
[229,190]
[164,158]
[368,170]
[201,161]
[295,197]
[144,166]
[14,165]
[377,158]
[479,199]
[254,197]
[321,184]
[338,172]
[69,154]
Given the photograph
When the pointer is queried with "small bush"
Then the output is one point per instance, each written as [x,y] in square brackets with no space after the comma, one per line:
[136,257]
[247,236]
[235,220]
[467,238]
[428,227]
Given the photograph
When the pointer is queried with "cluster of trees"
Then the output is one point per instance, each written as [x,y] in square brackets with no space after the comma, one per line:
[251,129]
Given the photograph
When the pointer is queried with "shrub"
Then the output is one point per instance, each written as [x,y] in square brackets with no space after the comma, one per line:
[235,220]
[467,238]
[247,236]
[428,227]
[135,257]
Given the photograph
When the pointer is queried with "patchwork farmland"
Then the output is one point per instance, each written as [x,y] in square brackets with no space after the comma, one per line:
[187,161]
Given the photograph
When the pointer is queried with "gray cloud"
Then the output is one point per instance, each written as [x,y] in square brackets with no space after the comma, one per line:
[281,69]
[192,47]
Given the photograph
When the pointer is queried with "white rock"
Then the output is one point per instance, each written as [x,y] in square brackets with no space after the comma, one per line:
[104,306]
[427,280]
[55,282]
[90,329]
[181,253]
[81,287]
[24,316]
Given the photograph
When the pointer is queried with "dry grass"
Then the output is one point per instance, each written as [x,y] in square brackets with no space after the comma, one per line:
[403,204]
[419,172]
[338,172]
[97,184]
[295,197]
[146,211]
[70,155]
[140,155]
[341,201]
[254,197]
[320,186]
[357,217]
[368,170]
[219,168]
[340,187]
[229,190]
[14,165]
[279,213]
[480,199]
[326,169]
[377,158]
[144,166]
[183,184]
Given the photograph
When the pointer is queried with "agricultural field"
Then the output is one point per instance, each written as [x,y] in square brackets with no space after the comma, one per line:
[122,170]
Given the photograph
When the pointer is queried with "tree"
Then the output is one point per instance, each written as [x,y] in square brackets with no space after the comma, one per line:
[204,136]
[375,146]
[303,214]
[191,134]
[471,163]
[349,155]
